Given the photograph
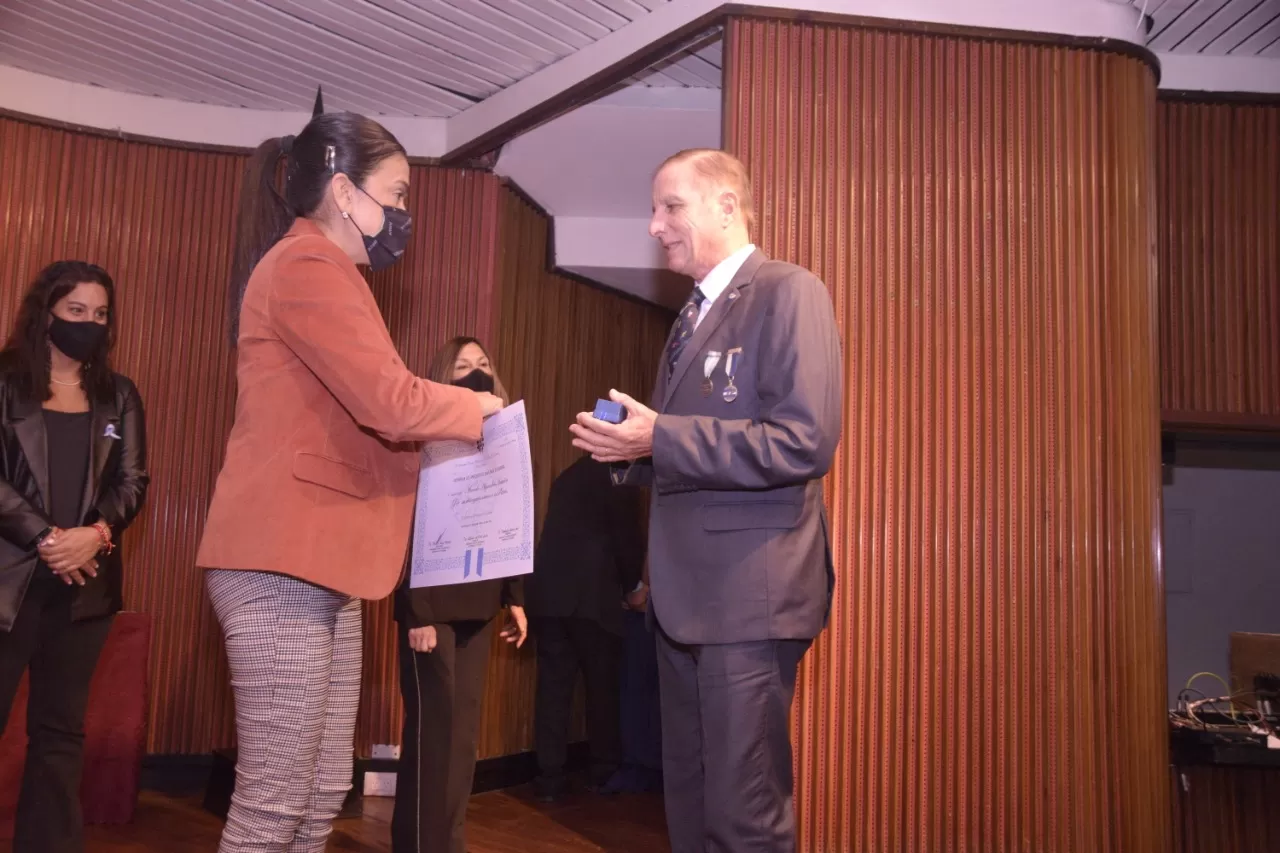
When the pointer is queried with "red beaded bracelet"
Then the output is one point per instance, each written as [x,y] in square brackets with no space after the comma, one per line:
[104,533]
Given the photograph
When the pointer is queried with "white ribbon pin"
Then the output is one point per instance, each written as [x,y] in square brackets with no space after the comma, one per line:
[708,367]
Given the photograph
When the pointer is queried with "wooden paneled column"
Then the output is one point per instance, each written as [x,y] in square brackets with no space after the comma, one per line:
[993,676]
[1218,184]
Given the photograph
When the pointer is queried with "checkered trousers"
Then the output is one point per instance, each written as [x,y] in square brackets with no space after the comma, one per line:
[294,651]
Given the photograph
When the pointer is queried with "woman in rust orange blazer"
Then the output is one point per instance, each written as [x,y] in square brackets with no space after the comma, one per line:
[313,507]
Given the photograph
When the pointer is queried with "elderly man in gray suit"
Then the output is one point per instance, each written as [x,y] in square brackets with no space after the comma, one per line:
[745,422]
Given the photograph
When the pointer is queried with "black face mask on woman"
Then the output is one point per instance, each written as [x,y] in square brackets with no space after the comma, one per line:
[385,247]
[476,380]
[80,341]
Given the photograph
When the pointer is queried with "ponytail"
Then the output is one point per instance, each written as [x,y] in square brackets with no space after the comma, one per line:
[330,144]
[262,219]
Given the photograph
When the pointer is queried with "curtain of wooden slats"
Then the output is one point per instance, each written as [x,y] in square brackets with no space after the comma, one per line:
[992,679]
[1218,179]
[159,219]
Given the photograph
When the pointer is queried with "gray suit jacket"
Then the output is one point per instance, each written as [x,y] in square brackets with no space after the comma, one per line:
[738,543]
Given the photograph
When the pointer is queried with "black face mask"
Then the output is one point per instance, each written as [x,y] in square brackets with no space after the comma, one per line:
[386,247]
[476,380]
[79,341]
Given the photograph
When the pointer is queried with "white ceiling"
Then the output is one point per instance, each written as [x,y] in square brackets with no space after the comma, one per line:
[1214,27]
[598,159]
[427,58]
[696,67]
[421,58]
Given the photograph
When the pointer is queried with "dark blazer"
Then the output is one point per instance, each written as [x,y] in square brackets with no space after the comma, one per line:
[115,490]
[592,548]
[738,543]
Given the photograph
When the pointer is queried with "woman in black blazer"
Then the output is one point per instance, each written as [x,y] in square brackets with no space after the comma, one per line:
[72,478]
[445,636]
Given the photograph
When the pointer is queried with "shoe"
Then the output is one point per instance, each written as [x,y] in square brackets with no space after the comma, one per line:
[549,789]
[630,780]
[600,776]
[615,784]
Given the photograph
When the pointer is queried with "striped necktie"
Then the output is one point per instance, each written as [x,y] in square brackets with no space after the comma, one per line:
[685,324]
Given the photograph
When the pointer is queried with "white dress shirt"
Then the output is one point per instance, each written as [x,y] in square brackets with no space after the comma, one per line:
[719,277]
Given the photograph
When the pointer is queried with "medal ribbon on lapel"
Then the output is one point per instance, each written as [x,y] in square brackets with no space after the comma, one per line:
[730,370]
[708,367]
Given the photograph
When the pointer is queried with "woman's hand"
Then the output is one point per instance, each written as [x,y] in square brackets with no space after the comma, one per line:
[637,599]
[489,404]
[72,551]
[76,576]
[517,629]
[423,639]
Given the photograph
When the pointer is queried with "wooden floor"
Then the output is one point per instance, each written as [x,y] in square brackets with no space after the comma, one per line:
[499,822]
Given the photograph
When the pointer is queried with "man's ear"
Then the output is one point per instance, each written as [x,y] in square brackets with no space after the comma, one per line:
[728,205]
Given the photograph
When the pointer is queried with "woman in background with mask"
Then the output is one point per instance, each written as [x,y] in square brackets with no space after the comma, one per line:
[73,452]
[312,509]
[445,637]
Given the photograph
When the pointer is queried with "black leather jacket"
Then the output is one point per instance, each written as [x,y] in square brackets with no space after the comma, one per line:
[117,488]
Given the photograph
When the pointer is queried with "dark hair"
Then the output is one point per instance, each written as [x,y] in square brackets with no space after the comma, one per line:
[25,357]
[441,369]
[359,144]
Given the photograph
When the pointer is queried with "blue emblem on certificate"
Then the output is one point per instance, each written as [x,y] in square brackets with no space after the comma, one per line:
[474,517]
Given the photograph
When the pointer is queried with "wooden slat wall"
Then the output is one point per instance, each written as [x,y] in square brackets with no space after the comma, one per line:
[992,678]
[445,286]
[1218,178]
[1218,184]
[1225,810]
[160,219]
[560,344]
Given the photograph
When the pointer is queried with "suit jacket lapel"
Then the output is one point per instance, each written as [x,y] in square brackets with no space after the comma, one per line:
[719,310]
[106,424]
[28,426]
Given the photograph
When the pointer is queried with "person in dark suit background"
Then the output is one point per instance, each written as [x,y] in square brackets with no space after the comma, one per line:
[641,717]
[745,423]
[589,557]
[73,454]
[445,637]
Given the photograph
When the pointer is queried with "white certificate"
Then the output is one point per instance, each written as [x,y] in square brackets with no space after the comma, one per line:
[474,519]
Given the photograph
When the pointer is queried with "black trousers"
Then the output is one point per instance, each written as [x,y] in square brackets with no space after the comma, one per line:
[726,744]
[442,692]
[641,716]
[566,646]
[61,655]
